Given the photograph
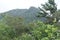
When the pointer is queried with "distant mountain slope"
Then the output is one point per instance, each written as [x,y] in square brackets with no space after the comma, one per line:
[28,14]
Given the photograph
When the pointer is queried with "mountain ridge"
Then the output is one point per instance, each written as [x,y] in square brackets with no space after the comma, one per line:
[28,14]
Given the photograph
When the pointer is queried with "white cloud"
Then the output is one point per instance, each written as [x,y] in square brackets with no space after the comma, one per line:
[6,5]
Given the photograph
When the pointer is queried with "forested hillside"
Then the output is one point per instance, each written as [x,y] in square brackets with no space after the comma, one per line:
[42,23]
[28,14]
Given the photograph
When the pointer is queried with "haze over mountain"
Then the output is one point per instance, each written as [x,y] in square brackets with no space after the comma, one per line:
[28,14]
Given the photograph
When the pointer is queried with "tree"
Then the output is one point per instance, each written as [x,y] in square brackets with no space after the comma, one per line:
[57,16]
[41,31]
[16,22]
[47,10]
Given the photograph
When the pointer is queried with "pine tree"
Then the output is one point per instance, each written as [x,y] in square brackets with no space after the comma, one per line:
[47,10]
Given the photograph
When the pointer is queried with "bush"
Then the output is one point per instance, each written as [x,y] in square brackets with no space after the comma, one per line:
[43,31]
[6,33]
[25,37]
[11,27]
[37,30]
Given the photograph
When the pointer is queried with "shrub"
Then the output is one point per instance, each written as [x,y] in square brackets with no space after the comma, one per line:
[25,37]
[43,31]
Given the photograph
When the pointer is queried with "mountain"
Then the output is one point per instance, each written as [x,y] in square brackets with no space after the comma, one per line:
[28,14]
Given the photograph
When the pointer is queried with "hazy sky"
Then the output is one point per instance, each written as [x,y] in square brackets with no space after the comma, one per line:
[6,5]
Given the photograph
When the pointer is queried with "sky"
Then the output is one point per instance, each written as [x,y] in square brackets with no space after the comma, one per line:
[6,5]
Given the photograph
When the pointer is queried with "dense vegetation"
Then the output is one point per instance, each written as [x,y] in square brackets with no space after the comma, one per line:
[16,28]
[33,31]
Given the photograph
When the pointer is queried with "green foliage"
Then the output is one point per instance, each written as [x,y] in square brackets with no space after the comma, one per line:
[44,32]
[6,32]
[14,28]
[15,22]
[47,11]
[11,29]
[26,37]
[49,6]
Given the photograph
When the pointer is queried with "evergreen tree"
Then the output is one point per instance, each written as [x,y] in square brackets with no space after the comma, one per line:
[47,10]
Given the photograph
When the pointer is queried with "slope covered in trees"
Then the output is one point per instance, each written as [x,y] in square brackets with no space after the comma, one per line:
[27,24]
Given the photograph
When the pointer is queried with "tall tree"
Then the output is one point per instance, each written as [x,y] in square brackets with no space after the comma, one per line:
[47,10]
